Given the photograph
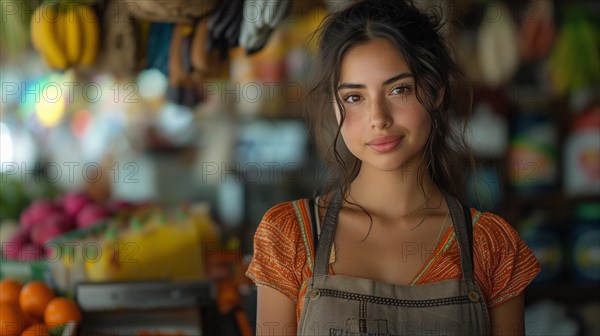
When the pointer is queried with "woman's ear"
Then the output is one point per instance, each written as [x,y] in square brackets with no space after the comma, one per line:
[336,110]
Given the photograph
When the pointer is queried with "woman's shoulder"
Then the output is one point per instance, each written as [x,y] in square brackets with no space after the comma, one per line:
[280,212]
[279,256]
[504,264]
[498,244]
[491,226]
[285,211]
[285,217]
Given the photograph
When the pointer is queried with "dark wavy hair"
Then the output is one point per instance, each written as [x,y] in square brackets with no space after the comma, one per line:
[418,37]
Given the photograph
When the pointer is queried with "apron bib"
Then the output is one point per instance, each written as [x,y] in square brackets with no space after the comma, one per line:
[337,305]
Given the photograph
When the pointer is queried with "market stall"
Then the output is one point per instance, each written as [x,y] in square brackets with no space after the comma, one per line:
[141,141]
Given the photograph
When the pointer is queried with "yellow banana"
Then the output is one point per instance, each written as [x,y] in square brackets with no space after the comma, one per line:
[59,27]
[72,34]
[36,37]
[44,34]
[90,32]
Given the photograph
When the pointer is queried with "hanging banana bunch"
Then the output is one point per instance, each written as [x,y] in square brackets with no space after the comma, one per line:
[575,59]
[65,34]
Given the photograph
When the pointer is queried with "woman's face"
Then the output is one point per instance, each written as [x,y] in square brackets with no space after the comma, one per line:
[385,125]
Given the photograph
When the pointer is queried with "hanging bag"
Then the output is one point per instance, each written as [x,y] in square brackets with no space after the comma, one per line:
[175,11]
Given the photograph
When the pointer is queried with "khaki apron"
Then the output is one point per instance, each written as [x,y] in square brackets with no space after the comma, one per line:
[345,305]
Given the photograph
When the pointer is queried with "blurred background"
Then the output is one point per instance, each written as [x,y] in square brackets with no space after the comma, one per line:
[141,141]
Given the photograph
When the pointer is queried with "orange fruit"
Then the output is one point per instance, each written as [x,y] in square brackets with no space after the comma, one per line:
[34,298]
[60,311]
[9,291]
[11,320]
[37,329]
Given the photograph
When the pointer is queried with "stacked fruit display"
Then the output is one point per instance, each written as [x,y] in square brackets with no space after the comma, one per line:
[44,220]
[575,59]
[66,34]
[34,309]
[152,243]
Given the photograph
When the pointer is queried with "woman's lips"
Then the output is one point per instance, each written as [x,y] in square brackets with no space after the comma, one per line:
[384,144]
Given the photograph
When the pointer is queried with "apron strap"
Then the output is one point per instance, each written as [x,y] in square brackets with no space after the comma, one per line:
[326,237]
[463,228]
[312,203]
[461,219]
[469,225]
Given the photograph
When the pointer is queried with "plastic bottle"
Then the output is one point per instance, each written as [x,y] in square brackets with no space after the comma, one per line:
[533,155]
[582,155]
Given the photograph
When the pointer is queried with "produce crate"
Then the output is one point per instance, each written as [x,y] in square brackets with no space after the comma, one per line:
[25,271]
[152,248]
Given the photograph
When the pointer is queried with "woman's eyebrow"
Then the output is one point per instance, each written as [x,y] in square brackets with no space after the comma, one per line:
[385,82]
[397,78]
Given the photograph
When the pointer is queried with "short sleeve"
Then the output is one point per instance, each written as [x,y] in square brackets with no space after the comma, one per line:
[506,264]
[276,251]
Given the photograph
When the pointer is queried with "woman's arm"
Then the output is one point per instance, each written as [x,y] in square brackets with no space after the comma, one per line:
[276,313]
[508,318]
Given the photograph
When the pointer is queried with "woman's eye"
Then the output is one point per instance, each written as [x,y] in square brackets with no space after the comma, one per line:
[401,90]
[352,98]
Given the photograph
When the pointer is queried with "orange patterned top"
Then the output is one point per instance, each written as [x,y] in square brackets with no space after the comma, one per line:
[283,255]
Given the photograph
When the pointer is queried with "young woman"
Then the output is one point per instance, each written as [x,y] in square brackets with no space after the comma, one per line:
[387,248]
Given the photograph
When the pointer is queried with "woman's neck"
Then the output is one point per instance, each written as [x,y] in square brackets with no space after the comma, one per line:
[394,194]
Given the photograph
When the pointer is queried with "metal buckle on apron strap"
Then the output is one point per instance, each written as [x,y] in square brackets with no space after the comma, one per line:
[315,294]
[474,296]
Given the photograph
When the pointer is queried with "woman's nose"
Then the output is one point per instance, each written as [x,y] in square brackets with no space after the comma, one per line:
[380,116]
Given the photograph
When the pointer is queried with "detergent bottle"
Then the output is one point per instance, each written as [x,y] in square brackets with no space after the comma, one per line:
[582,155]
